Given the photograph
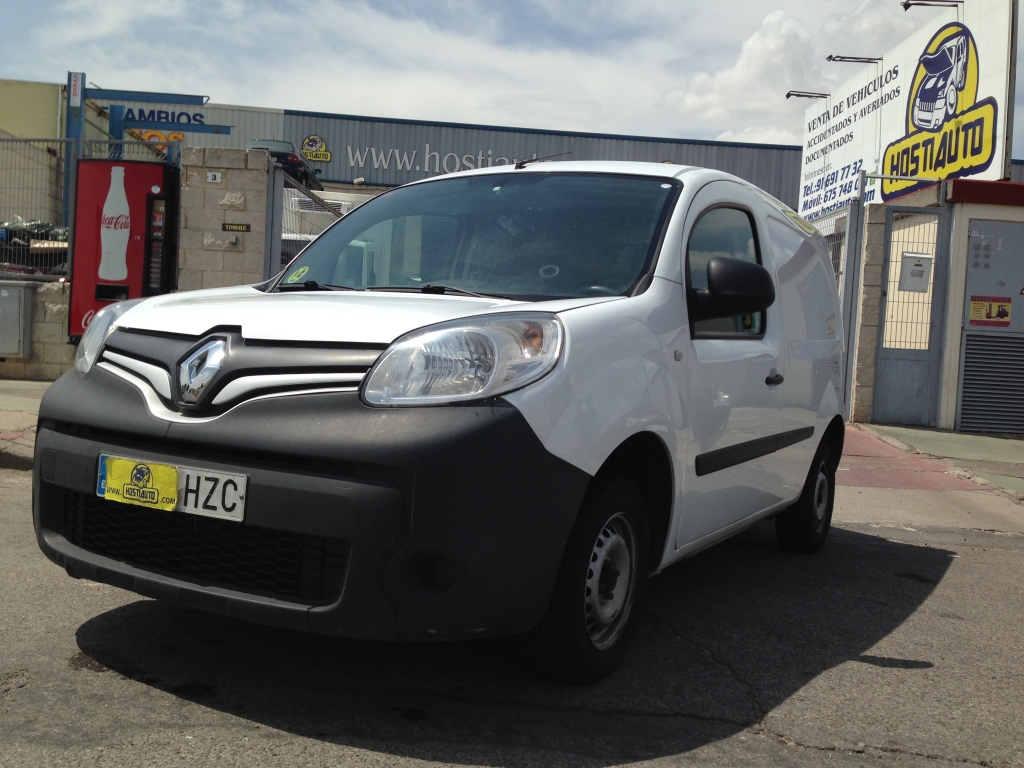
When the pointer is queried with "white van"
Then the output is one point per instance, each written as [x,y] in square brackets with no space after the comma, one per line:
[486,403]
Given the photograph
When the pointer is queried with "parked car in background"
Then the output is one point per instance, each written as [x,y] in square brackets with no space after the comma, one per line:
[488,403]
[288,157]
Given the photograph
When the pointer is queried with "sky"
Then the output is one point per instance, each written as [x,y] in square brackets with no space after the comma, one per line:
[677,68]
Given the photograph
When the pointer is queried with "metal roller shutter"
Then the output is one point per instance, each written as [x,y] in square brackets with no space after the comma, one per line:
[992,398]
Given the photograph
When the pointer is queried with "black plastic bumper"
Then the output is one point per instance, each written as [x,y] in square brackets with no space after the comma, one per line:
[452,520]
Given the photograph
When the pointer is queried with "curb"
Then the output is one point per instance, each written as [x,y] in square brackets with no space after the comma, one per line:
[867,429]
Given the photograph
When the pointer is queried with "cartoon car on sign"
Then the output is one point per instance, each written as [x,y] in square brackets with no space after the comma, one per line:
[945,75]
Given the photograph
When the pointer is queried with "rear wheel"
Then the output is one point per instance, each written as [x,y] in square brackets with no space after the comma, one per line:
[804,526]
[601,583]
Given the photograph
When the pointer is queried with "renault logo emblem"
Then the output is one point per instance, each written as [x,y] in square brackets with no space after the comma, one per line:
[196,373]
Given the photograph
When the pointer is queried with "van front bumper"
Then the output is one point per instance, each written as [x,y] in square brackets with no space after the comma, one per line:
[397,524]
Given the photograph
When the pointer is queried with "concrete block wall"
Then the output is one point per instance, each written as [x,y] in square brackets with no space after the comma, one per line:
[870,301]
[51,353]
[209,257]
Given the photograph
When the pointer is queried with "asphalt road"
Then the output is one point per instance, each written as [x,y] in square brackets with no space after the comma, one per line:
[900,643]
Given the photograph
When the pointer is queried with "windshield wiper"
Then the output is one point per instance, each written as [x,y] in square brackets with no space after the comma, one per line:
[313,285]
[437,289]
[443,289]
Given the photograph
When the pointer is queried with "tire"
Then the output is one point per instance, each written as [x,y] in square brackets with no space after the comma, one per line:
[593,612]
[804,526]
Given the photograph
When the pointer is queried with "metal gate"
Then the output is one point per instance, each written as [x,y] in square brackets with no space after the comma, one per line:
[911,316]
[992,352]
[295,217]
[842,230]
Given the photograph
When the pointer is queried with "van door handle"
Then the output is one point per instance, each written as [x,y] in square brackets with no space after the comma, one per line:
[774,379]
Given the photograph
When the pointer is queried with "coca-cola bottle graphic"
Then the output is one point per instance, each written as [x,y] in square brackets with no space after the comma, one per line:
[115,229]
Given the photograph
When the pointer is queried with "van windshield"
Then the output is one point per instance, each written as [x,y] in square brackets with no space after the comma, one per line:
[526,236]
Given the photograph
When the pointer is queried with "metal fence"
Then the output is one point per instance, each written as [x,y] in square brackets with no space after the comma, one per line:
[145,151]
[842,231]
[305,215]
[34,206]
[833,228]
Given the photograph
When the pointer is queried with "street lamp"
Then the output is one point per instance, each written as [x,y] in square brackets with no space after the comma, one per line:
[907,4]
[854,59]
[807,95]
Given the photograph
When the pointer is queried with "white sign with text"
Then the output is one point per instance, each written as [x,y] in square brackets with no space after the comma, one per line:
[939,105]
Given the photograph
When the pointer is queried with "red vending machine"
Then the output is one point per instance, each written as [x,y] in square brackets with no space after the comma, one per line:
[125,245]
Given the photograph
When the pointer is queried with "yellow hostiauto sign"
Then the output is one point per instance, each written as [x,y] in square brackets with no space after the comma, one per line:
[949,132]
[938,105]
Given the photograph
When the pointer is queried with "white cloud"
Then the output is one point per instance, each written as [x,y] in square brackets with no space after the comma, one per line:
[871,28]
[748,96]
[744,101]
[761,134]
[649,67]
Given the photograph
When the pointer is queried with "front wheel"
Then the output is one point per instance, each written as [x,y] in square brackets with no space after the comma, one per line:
[602,580]
[804,526]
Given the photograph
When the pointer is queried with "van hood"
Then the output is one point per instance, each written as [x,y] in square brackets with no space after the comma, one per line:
[376,317]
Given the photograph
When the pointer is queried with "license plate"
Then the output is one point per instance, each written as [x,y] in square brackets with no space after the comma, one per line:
[172,487]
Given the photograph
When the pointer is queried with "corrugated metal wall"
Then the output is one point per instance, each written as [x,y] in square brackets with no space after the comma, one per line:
[395,152]
[1017,170]
[391,152]
[247,123]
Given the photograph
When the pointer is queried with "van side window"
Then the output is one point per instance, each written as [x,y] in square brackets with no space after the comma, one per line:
[727,232]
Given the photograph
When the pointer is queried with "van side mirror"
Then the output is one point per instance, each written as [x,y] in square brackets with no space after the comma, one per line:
[735,287]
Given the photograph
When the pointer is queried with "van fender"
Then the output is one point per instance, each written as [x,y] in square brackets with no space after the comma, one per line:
[614,380]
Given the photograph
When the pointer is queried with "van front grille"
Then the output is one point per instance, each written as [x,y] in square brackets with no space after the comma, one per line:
[207,551]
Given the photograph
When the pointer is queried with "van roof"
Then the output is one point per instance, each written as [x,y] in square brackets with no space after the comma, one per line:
[667,170]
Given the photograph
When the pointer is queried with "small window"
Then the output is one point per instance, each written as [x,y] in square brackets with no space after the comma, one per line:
[727,232]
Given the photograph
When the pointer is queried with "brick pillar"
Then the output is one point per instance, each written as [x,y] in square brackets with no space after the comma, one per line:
[865,348]
[209,256]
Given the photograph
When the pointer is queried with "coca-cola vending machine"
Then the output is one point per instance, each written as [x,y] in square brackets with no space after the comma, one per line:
[125,245]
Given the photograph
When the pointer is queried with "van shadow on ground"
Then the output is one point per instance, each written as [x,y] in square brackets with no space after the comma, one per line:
[727,636]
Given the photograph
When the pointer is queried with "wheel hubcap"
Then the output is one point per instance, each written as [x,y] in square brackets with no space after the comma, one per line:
[821,493]
[608,595]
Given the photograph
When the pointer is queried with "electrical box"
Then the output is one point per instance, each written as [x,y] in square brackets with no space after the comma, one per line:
[915,272]
[17,301]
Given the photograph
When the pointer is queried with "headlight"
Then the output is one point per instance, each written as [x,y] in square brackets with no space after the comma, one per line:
[96,333]
[470,359]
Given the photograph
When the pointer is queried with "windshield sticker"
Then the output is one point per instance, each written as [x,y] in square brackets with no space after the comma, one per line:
[950,133]
[297,275]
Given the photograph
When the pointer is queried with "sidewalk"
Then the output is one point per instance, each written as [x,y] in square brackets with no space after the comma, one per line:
[19,404]
[881,485]
[998,461]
